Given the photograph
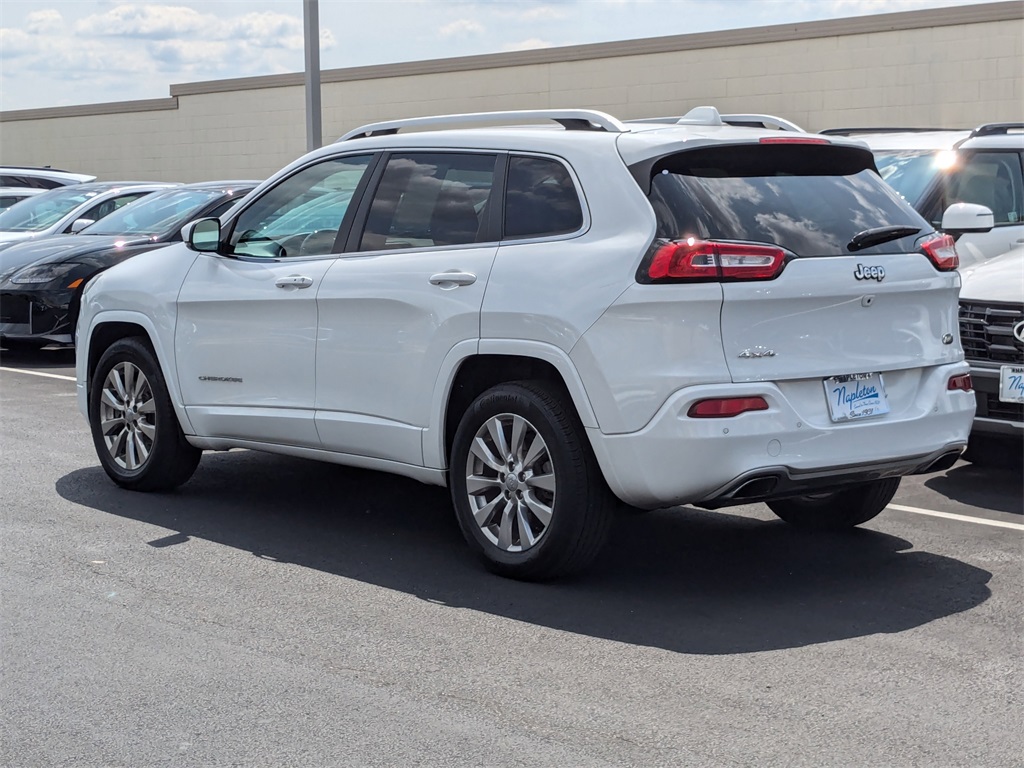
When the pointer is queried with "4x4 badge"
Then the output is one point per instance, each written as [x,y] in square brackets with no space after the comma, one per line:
[869,273]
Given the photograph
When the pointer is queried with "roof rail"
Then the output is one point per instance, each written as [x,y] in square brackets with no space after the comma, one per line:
[570,119]
[710,116]
[762,121]
[848,131]
[994,129]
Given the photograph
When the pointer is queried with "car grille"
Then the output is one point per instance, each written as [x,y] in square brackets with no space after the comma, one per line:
[995,409]
[15,309]
[986,331]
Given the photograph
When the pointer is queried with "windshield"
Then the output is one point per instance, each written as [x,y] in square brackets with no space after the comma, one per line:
[812,203]
[911,172]
[155,214]
[37,213]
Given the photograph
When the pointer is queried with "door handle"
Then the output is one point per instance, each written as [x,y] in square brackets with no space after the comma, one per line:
[294,281]
[452,278]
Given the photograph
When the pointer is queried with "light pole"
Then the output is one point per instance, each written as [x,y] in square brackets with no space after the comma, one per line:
[311,29]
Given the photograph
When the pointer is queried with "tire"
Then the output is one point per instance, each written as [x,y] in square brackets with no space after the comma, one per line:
[546,513]
[839,510]
[142,447]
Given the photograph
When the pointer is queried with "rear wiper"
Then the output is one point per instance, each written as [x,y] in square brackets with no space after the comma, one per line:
[879,235]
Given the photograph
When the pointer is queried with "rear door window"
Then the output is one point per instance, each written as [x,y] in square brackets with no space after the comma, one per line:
[808,199]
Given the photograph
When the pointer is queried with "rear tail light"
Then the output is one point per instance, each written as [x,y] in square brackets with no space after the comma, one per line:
[941,250]
[696,260]
[961,382]
[726,407]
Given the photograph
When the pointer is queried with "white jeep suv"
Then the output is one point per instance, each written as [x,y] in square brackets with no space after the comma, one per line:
[546,318]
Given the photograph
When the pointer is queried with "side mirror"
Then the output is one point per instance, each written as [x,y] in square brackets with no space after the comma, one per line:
[81,224]
[202,235]
[961,218]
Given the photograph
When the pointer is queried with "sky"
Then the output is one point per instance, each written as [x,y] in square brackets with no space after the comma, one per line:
[70,52]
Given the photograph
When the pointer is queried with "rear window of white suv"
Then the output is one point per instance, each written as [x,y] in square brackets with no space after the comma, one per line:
[810,200]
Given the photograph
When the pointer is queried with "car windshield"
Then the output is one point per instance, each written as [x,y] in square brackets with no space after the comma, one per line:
[37,213]
[911,172]
[155,214]
[813,201]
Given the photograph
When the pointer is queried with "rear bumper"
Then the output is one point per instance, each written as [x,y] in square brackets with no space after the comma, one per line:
[790,449]
[782,482]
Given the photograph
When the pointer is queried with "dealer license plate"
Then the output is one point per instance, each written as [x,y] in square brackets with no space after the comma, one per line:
[856,396]
[1011,383]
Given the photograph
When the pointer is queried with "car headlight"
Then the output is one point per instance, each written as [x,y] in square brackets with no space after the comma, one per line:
[42,273]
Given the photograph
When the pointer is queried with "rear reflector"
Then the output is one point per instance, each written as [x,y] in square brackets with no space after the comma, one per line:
[693,259]
[793,140]
[725,407]
[941,251]
[961,382]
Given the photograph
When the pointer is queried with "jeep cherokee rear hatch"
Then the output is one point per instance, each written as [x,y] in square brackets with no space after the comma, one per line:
[824,271]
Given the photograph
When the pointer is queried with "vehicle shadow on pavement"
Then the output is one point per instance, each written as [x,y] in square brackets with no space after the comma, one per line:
[987,487]
[683,580]
[37,359]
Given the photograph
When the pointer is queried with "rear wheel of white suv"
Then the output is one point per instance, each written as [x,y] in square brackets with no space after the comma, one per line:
[528,494]
[837,510]
[134,428]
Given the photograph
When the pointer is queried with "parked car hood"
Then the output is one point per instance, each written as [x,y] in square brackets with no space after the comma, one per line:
[7,239]
[81,248]
[998,279]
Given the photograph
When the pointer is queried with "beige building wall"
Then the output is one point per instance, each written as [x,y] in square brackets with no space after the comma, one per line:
[952,67]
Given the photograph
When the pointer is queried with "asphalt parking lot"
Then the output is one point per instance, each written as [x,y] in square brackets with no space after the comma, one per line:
[275,611]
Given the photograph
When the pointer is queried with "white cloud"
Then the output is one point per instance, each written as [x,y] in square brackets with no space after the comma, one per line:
[15,43]
[154,22]
[461,28]
[42,22]
[531,44]
[535,14]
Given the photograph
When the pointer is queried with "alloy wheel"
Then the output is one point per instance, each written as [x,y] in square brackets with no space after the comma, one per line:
[510,482]
[128,416]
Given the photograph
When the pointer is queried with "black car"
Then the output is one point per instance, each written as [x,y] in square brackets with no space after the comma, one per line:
[42,282]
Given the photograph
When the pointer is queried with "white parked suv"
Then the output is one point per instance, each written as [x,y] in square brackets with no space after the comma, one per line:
[933,169]
[545,319]
[992,333]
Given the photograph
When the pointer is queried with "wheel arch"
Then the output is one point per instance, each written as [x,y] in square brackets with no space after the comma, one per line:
[471,370]
[109,327]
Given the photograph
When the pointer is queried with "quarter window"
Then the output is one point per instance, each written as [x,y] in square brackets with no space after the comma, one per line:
[430,199]
[540,199]
[302,215]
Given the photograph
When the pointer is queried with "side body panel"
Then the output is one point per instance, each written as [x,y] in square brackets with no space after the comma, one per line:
[245,347]
[385,330]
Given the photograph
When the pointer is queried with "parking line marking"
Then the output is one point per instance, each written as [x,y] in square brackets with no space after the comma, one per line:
[962,518]
[39,373]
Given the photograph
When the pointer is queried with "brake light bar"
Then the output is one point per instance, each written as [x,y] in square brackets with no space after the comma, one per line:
[709,260]
[725,407]
[941,251]
[793,140]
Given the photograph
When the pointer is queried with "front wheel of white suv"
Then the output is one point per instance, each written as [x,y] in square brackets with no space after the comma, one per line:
[134,428]
[839,509]
[528,494]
